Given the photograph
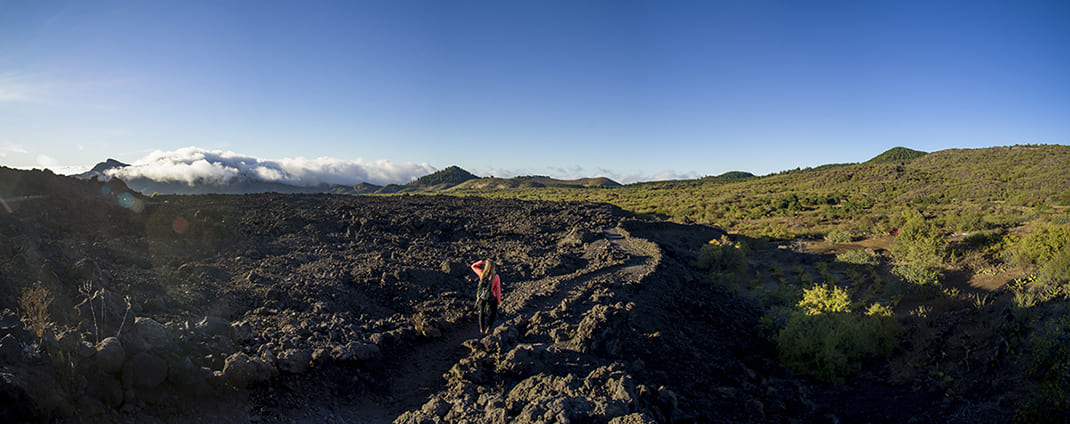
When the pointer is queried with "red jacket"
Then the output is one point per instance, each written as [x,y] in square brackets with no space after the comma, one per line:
[495,283]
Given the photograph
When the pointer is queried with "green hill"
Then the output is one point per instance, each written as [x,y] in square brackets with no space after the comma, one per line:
[897,154]
[958,185]
[448,177]
[730,176]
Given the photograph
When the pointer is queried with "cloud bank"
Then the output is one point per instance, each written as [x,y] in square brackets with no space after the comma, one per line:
[192,165]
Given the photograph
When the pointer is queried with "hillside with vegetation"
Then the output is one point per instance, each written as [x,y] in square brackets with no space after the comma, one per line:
[454,179]
[984,184]
[928,289]
[897,154]
[532,182]
[942,274]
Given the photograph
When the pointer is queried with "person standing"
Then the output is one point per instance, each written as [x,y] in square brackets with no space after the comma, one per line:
[488,294]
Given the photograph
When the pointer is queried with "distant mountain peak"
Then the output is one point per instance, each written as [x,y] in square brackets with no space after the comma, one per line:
[450,176]
[100,168]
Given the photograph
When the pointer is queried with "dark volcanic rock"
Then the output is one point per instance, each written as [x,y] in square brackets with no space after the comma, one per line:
[366,306]
[110,355]
[145,370]
[242,370]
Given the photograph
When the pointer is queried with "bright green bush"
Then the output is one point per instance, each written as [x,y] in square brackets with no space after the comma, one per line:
[825,298]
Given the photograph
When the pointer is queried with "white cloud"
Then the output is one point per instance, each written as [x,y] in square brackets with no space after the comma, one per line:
[46,161]
[11,148]
[193,164]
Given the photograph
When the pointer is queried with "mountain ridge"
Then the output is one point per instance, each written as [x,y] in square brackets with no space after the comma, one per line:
[454,179]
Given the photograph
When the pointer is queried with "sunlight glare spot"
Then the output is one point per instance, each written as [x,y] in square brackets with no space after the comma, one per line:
[180,225]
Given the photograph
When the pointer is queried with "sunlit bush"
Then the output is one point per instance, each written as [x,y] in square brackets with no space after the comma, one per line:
[918,241]
[1047,251]
[825,298]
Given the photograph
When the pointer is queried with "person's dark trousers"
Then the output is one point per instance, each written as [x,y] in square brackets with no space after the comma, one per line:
[488,311]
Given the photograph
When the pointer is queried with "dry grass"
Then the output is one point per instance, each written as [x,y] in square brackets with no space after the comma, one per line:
[34,303]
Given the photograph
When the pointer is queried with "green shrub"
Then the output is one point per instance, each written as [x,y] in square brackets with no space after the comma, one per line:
[1057,269]
[1048,251]
[839,236]
[831,345]
[1043,244]
[982,239]
[1051,366]
[825,298]
[882,329]
[820,346]
[917,274]
[722,256]
[918,241]
[857,257]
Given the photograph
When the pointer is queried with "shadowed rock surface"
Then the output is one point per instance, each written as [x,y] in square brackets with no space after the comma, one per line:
[327,308]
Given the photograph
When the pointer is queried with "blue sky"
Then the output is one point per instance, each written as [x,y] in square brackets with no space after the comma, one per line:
[632,90]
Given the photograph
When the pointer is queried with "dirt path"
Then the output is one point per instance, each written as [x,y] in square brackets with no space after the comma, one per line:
[421,369]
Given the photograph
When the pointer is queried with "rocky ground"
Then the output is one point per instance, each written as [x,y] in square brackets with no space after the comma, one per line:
[326,308]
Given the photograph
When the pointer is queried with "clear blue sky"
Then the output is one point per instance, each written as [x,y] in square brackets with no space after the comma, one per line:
[627,89]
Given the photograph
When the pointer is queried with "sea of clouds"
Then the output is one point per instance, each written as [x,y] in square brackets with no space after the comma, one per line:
[196,165]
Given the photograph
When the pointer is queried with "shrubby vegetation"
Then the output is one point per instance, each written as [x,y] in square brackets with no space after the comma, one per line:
[857,257]
[825,340]
[1047,253]
[1051,368]
[947,186]
[722,257]
[33,303]
[839,236]
[918,250]
[997,215]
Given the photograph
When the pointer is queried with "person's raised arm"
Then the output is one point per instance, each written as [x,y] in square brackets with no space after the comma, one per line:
[478,268]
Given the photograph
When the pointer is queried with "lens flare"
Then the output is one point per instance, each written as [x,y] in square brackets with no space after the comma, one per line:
[180,225]
[126,200]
